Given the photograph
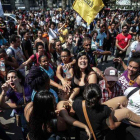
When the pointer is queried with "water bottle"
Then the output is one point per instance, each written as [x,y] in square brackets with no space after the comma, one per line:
[2,66]
[65,70]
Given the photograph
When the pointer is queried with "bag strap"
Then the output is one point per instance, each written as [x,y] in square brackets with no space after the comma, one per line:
[132,92]
[24,96]
[87,119]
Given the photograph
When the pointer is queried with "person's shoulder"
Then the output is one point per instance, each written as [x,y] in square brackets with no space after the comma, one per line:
[128,90]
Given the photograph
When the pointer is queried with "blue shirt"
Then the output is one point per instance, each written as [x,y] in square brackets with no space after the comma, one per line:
[101,37]
[51,90]
[3,41]
[50,72]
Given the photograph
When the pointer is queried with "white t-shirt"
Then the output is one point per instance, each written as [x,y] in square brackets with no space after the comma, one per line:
[52,34]
[18,56]
[134,100]
[134,46]
[78,20]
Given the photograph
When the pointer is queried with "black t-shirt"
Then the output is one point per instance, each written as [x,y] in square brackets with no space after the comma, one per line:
[97,118]
[27,46]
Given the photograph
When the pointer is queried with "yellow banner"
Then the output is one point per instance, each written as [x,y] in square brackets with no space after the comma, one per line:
[88,9]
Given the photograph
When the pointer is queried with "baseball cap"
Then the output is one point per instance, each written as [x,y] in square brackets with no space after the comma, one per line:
[111,74]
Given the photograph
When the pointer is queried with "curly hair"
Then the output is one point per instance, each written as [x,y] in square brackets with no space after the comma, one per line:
[37,78]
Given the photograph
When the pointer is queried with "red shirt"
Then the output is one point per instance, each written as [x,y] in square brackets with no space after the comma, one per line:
[33,59]
[123,40]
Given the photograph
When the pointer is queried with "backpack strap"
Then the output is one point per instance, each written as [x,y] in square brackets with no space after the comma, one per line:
[13,52]
[132,92]
[35,58]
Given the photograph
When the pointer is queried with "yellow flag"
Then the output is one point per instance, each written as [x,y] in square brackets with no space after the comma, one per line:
[88,9]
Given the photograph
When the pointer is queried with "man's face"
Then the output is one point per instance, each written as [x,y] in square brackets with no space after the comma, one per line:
[103,29]
[125,29]
[110,84]
[87,45]
[17,43]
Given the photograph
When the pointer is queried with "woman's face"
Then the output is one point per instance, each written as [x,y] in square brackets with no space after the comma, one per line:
[39,34]
[133,68]
[83,62]
[44,62]
[40,49]
[95,36]
[14,81]
[65,57]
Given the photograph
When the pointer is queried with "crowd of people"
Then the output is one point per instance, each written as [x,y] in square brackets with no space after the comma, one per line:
[49,71]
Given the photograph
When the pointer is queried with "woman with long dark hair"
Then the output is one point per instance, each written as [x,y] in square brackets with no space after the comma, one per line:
[83,73]
[40,115]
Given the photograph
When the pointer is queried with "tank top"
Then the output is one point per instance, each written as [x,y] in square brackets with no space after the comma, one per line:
[124,81]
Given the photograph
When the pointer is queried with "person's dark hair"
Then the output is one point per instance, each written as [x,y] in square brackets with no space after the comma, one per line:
[92,95]
[42,113]
[2,50]
[77,72]
[52,23]
[37,78]
[57,40]
[67,51]
[19,75]
[24,32]
[13,38]
[103,26]
[93,32]
[135,57]
[39,44]
[124,26]
[39,59]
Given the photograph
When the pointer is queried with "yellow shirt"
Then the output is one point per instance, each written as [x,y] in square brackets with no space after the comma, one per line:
[64,35]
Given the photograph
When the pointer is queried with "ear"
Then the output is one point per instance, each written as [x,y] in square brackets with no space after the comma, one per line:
[43,127]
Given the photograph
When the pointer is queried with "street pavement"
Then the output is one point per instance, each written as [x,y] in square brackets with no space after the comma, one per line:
[14,132]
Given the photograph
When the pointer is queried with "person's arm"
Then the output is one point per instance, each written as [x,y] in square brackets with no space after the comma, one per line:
[18,30]
[27,111]
[25,63]
[123,113]
[117,45]
[92,78]
[64,114]
[74,93]
[3,103]
[52,83]
[13,64]
[135,124]
[127,46]
[119,60]
[59,76]
[110,122]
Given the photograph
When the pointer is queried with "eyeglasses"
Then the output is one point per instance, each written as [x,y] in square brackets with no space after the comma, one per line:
[64,56]
[88,45]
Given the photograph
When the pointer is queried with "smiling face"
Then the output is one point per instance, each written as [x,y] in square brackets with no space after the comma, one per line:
[83,62]
[44,62]
[14,81]
[133,68]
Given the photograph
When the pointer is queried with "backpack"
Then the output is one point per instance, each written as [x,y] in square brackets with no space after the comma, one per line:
[13,54]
